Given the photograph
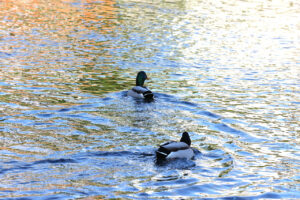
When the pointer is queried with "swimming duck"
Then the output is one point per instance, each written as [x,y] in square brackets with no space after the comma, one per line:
[172,149]
[140,91]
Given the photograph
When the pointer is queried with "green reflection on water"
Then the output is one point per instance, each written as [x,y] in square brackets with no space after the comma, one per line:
[99,82]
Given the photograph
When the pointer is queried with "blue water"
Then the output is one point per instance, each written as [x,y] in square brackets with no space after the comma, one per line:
[226,72]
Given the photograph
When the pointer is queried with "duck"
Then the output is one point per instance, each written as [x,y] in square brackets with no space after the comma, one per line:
[173,150]
[140,91]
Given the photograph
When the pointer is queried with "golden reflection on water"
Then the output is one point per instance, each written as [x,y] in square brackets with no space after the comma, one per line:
[48,25]
[39,36]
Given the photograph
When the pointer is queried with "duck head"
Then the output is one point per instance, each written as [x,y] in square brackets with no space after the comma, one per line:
[140,78]
[186,138]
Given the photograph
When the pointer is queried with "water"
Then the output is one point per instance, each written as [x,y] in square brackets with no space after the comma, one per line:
[226,72]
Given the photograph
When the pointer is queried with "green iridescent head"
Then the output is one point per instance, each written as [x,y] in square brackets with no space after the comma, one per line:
[140,78]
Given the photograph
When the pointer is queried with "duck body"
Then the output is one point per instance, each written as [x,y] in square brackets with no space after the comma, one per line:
[174,150]
[140,91]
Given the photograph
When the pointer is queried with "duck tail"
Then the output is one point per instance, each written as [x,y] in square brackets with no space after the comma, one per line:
[160,158]
[161,155]
[148,95]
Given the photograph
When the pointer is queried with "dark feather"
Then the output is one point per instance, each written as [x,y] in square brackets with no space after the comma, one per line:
[148,94]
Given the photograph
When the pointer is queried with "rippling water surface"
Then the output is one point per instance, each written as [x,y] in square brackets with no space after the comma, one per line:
[225,71]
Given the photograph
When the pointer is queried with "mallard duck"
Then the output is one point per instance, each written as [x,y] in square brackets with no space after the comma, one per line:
[140,91]
[172,149]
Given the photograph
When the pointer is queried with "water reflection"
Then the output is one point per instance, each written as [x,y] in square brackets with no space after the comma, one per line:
[227,72]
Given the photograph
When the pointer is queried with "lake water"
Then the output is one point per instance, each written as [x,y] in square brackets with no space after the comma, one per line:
[225,71]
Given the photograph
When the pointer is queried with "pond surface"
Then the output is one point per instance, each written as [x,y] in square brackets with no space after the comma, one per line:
[225,71]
